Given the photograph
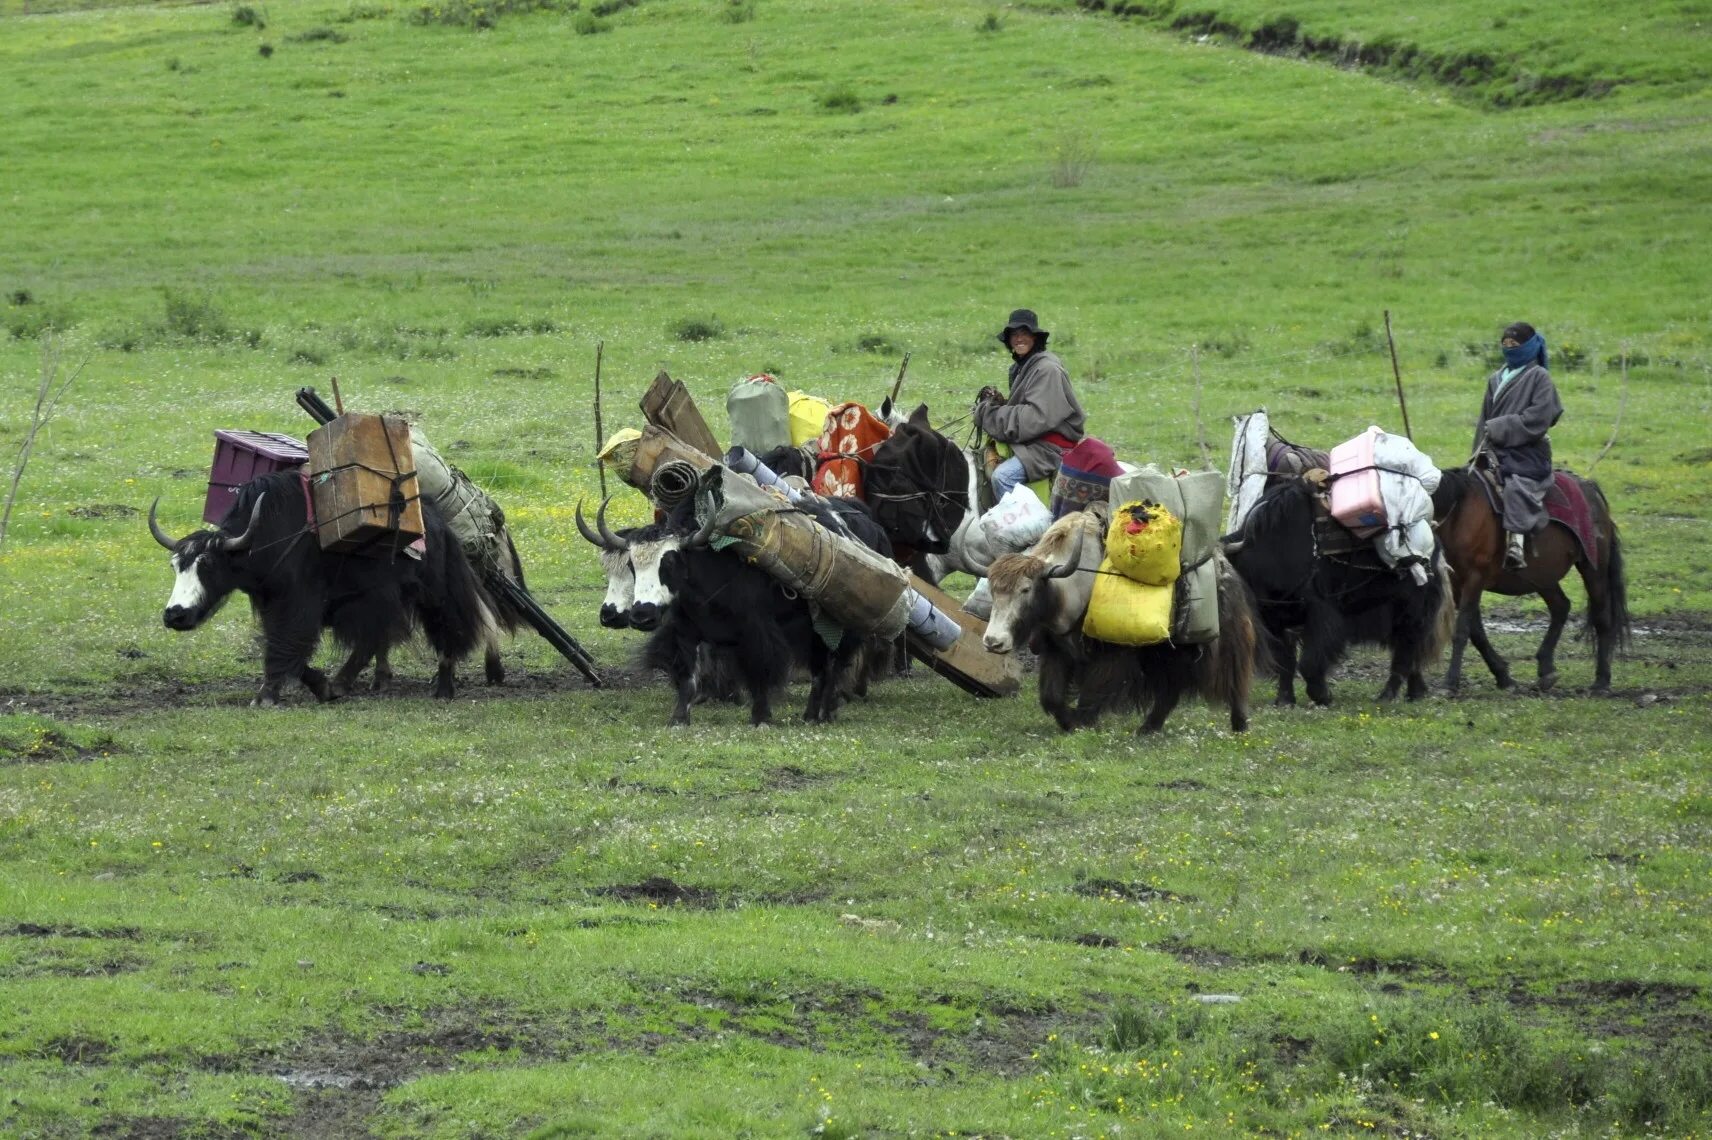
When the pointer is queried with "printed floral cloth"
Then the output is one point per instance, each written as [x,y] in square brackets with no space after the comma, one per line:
[851,436]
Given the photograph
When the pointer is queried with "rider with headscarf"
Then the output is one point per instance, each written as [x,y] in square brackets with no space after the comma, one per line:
[1040,418]
[1521,405]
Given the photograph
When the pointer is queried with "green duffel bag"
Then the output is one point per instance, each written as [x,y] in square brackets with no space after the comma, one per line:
[760,415]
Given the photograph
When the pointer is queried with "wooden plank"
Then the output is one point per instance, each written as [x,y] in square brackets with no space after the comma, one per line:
[968,664]
[353,463]
[668,404]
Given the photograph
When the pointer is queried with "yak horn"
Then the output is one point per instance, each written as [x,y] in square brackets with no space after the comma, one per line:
[1231,545]
[240,542]
[155,527]
[612,541]
[1075,562]
[583,529]
[703,534]
[981,569]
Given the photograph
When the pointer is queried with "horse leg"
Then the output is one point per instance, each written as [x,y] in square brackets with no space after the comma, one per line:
[1494,661]
[1599,616]
[1557,602]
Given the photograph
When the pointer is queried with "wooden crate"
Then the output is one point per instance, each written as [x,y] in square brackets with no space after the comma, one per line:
[355,464]
[968,664]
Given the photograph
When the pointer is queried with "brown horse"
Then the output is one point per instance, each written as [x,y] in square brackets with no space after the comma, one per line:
[1472,537]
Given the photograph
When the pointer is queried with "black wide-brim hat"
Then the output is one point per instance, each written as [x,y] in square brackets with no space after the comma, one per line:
[1022,319]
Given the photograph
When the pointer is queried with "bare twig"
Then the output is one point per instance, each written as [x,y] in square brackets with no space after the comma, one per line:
[1622,402]
[599,430]
[49,391]
[1397,375]
[1200,428]
[898,384]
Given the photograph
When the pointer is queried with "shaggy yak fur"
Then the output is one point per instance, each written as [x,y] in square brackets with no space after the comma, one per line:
[264,549]
[1040,597]
[689,597]
[1326,601]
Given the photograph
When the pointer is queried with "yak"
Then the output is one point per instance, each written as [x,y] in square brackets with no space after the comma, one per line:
[1309,590]
[1040,598]
[697,603]
[264,548]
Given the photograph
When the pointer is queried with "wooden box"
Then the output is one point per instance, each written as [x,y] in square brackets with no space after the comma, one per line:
[240,456]
[362,473]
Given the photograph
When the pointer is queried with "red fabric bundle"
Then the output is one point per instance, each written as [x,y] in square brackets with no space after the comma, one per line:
[850,438]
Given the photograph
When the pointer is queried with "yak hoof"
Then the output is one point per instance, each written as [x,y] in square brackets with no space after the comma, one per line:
[1504,681]
[1547,680]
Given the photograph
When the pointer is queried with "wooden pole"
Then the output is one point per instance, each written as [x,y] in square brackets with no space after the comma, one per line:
[897,385]
[1200,428]
[1622,402]
[599,428]
[1397,375]
[338,400]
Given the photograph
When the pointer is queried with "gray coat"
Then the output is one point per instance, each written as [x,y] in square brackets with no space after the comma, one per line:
[1040,401]
[1513,425]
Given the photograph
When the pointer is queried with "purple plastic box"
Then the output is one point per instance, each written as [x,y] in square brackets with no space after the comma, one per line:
[240,456]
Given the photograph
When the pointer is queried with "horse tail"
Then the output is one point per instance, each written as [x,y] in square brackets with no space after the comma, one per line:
[1614,606]
[1240,651]
[1444,619]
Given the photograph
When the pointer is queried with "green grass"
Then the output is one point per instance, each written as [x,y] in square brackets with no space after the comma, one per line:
[936,916]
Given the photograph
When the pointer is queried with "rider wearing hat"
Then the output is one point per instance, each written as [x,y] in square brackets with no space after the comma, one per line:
[1521,406]
[1041,418]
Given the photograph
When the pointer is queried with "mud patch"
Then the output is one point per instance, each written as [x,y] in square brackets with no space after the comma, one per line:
[788,778]
[77,1050]
[1096,940]
[162,1128]
[103,511]
[1203,957]
[1113,890]
[661,891]
[1182,786]
[52,747]
[1003,1040]
[37,930]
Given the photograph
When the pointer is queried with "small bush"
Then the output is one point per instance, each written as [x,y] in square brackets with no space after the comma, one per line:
[875,342]
[265,51]
[307,354]
[992,23]
[1636,360]
[1568,356]
[694,329]
[26,319]
[315,35]
[249,16]
[612,7]
[364,11]
[738,11]
[481,14]
[194,316]
[841,100]
[587,25]
[1072,158]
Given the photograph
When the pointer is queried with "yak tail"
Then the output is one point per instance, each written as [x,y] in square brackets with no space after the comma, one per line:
[1614,603]
[1444,618]
[1239,650]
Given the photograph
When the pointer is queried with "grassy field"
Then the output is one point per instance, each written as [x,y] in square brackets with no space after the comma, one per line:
[536,909]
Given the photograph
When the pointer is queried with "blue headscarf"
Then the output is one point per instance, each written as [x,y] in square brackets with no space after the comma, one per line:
[1525,354]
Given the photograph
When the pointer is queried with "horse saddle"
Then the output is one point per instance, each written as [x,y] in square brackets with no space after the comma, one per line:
[1566,504]
[1330,535]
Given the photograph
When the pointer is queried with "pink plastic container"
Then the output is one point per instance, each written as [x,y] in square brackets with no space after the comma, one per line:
[1355,485]
[240,456]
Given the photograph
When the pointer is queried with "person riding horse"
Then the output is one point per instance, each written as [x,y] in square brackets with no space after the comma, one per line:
[1041,418]
[1521,405]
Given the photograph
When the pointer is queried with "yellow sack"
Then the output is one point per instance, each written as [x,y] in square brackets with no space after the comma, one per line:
[1145,542]
[808,417]
[1125,612]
